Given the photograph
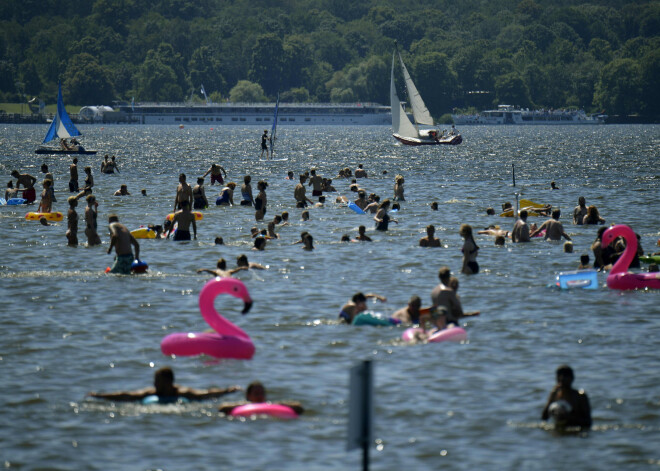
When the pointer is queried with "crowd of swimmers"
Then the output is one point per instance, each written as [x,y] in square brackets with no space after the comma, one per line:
[446,308]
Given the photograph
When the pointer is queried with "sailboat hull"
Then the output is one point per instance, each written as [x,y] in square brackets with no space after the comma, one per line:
[50,150]
[428,141]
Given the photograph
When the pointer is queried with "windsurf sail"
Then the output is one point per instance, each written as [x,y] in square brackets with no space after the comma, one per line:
[62,127]
[274,128]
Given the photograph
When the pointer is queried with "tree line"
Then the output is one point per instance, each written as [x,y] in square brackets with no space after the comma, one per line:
[603,55]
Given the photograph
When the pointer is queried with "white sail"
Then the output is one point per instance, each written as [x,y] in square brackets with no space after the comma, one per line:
[400,122]
[419,109]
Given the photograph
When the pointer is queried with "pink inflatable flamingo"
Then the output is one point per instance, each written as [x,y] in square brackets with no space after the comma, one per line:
[619,277]
[228,340]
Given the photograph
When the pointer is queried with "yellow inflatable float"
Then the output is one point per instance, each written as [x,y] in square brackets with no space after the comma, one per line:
[55,216]
[525,204]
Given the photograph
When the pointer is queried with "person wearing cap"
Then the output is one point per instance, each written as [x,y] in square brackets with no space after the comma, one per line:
[264,144]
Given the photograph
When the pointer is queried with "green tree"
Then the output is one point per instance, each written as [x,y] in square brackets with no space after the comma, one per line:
[205,69]
[156,81]
[295,95]
[266,63]
[247,92]
[435,81]
[619,89]
[86,82]
[29,77]
[650,78]
[511,89]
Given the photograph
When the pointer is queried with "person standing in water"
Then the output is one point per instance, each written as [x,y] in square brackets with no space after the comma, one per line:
[121,240]
[72,222]
[91,213]
[470,251]
[184,217]
[73,179]
[264,144]
[216,175]
[183,193]
[567,406]
[27,181]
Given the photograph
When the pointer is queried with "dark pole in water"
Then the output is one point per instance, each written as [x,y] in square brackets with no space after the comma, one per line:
[513,167]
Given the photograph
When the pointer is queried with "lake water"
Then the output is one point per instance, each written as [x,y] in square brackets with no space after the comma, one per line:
[70,329]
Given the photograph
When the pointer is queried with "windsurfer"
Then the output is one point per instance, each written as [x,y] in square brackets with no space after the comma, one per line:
[264,144]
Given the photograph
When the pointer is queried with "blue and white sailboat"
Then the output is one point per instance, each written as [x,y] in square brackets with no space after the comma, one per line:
[62,128]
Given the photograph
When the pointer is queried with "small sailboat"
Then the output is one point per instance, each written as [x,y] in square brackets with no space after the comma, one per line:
[62,128]
[402,128]
[273,133]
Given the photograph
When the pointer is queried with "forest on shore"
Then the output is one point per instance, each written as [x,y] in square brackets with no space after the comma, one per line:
[600,55]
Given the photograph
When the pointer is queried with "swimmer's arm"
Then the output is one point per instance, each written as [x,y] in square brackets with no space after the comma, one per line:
[471,313]
[202,394]
[124,396]
[137,247]
[380,298]
[221,168]
[227,407]
[257,266]
[236,270]
[113,241]
[206,270]
[209,171]
[194,224]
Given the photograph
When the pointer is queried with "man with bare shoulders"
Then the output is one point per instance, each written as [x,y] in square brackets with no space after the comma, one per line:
[554,230]
[443,295]
[430,240]
[73,180]
[520,232]
[410,313]
[121,240]
[72,222]
[356,305]
[362,236]
[360,172]
[184,217]
[165,390]
[91,213]
[242,262]
[216,174]
[28,181]
[317,182]
[361,201]
[580,211]
[221,269]
[183,193]
[299,193]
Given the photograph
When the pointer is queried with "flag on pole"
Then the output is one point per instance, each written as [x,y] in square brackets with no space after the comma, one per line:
[204,93]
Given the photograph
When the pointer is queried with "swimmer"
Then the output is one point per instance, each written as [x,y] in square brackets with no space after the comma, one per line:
[434,205]
[199,195]
[183,193]
[360,172]
[299,193]
[246,192]
[356,305]
[226,196]
[362,236]
[490,212]
[260,202]
[242,261]
[430,240]
[410,313]
[121,240]
[271,231]
[520,232]
[568,247]
[219,241]
[72,222]
[46,203]
[73,179]
[576,411]
[584,262]
[372,207]
[302,238]
[305,216]
[256,393]
[308,242]
[398,188]
[184,217]
[382,218]
[216,175]
[470,251]
[289,175]
[592,216]
[500,240]
[554,228]
[143,191]
[122,191]
[27,181]
[495,231]
[91,215]
[361,201]
[44,221]
[443,295]
[166,390]
[580,211]
[89,179]
[327,185]
[259,243]
[553,186]
[285,218]
[317,182]
[345,238]
[221,269]
[321,202]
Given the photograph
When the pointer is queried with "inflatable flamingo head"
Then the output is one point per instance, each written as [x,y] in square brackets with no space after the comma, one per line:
[615,231]
[230,286]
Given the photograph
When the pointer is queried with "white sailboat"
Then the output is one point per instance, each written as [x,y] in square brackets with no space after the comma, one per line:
[62,128]
[402,128]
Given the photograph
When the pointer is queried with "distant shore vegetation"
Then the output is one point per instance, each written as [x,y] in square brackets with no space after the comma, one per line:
[601,55]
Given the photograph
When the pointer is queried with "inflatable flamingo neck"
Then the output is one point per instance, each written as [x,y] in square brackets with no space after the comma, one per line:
[211,290]
[622,264]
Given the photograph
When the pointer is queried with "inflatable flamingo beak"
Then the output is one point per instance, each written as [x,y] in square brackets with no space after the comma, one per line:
[246,307]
